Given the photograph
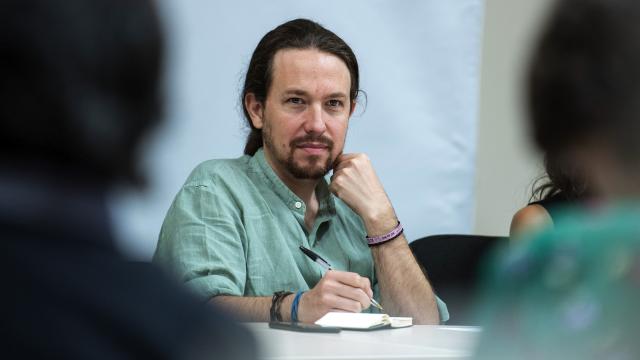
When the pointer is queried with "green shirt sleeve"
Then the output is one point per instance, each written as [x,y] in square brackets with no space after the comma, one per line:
[202,241]
[442,310]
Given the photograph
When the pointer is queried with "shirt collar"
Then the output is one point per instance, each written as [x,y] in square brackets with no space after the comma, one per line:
[326,200]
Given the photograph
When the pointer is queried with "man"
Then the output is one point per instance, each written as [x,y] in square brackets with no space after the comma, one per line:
[80,87]
[234,230]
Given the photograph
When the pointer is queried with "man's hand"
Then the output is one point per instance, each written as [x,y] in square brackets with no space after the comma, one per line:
[336,291]
[356,183]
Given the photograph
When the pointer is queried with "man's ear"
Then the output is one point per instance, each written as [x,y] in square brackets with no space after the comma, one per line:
[353,107]
[255,109]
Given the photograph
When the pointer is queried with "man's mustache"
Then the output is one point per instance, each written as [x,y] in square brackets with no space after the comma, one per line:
[311,138]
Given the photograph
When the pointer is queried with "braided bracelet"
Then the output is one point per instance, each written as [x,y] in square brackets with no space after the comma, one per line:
[276,302]
[377,240]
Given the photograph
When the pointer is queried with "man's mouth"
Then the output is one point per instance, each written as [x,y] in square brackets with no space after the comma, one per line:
[313,148]
[314,145]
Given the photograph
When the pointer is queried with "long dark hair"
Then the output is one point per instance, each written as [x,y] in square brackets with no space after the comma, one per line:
[584,86]
[561,179]
[295,34]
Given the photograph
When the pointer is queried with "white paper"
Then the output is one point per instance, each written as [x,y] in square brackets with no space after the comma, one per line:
[362,320]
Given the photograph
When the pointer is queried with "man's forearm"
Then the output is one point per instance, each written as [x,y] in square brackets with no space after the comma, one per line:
[252,308]
[404,288]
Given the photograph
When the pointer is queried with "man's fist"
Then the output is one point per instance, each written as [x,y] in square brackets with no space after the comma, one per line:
[355,182]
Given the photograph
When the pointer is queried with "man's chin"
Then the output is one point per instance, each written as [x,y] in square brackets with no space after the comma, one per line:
[308,172]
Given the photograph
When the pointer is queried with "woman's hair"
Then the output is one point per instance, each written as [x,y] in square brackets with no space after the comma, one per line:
[584,89]
[562,179]
[584,86]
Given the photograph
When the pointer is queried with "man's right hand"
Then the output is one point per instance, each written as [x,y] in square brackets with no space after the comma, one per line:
[336,291]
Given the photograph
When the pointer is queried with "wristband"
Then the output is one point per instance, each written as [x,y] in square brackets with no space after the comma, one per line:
[276,301]
[377,240]
[294,306]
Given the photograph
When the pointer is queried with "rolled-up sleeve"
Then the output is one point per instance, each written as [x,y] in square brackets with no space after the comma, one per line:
[442,310]
[201,240]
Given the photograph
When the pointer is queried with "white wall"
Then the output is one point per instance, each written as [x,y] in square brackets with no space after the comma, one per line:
[506,164]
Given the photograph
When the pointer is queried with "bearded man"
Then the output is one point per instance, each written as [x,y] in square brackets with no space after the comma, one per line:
[234,231]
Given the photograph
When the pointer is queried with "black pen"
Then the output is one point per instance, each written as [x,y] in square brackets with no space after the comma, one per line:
[322,262]
[316,258]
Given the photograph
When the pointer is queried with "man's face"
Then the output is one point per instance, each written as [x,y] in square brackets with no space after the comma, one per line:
[306,113]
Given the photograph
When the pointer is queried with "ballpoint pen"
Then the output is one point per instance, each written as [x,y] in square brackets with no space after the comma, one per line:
[322,262]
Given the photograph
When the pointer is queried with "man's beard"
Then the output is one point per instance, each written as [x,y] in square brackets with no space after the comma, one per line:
[314,170]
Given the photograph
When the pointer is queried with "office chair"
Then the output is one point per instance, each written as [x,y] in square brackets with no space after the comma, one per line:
[453,264]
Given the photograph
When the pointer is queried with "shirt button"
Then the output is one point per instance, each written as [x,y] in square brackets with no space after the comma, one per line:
[298,204]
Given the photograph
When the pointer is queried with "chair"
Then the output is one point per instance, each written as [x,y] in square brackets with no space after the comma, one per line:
[453,264]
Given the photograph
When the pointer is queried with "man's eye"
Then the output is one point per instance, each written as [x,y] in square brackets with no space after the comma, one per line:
[334,103]
[295,100]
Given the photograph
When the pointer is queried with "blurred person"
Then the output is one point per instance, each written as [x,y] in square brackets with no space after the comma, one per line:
[562,185]
[234,229]
[80,88]
[572,292]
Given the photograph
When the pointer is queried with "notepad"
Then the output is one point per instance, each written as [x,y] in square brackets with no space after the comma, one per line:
[363,321]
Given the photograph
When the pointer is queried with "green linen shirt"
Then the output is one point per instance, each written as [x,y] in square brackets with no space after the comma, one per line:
[235,229]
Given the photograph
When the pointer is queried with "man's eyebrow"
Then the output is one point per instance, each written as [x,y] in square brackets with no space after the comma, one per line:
[295,92]
[298,92]
[337,95]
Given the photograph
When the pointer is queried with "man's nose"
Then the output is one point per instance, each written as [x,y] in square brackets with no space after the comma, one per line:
[314,122]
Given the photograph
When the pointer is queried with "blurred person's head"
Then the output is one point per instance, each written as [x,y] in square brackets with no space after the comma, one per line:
[300,90]
[80,84]
[584,91]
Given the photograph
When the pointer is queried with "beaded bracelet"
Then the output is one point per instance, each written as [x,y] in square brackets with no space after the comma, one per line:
[377,240]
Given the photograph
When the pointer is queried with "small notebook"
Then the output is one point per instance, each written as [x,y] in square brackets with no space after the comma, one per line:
[363,321]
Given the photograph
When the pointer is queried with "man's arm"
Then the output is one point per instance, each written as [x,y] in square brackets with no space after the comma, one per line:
[248,308]
[404,289]
[336,291]
[403,286]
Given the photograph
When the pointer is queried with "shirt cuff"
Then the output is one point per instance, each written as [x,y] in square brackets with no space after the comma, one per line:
[442,310]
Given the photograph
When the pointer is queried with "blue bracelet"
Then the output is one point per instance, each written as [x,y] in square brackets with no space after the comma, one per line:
[294,306]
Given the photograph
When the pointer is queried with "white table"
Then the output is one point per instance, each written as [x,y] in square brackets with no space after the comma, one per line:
[416,342]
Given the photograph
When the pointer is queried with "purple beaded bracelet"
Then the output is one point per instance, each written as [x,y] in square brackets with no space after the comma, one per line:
[377,240]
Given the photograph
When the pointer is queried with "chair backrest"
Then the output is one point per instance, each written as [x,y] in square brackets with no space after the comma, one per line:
[452,264]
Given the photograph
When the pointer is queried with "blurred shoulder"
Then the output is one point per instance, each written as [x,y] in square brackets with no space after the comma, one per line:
[529,218]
